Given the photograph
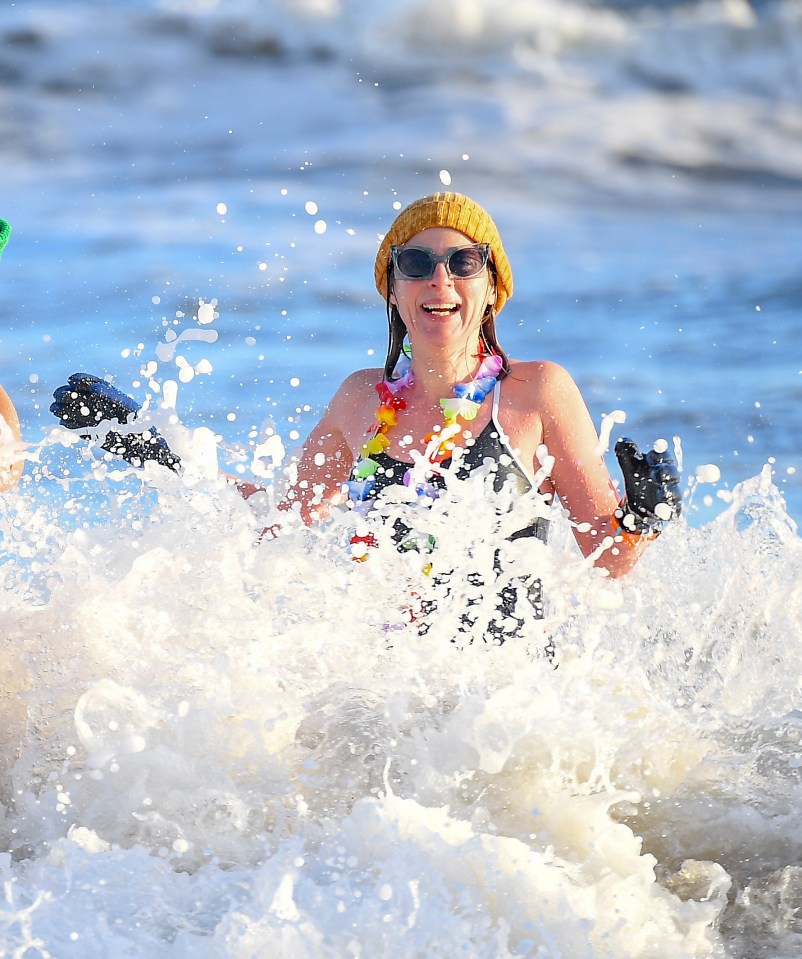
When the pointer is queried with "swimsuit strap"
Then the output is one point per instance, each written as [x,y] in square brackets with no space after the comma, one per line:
[503,438]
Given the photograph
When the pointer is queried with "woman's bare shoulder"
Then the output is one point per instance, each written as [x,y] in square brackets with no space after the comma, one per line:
[357,389]
[369,376]
[356,384]
[545,387]
[541,375]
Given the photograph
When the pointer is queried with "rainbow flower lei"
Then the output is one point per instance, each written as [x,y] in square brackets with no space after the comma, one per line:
[463,405]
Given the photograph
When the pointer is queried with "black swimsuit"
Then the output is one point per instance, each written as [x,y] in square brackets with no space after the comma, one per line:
[490,448]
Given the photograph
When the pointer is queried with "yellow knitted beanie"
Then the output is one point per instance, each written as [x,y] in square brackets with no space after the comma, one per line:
[448,210]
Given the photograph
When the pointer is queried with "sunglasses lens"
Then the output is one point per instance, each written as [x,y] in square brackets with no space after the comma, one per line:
[414,263]
[468,261]
[418,263]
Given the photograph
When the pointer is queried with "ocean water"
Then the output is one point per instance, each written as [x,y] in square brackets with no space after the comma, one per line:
[216,745]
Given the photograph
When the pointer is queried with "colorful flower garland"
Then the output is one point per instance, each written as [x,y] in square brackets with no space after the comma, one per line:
[464,405]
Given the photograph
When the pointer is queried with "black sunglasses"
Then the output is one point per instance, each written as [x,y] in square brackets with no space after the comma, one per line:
[419,262]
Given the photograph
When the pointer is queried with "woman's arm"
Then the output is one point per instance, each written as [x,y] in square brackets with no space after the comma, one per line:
[10,469]
[328,454]
[324,465]
[580,476]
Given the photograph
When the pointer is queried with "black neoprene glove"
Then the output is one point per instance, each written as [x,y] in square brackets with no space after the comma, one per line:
[87,401]
[651,481]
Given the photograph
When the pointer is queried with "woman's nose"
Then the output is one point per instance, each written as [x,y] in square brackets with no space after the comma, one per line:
[440,275]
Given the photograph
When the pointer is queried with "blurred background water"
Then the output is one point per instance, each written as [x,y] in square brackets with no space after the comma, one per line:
[643,162]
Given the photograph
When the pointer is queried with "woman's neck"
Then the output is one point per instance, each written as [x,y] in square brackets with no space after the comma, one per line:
[437,372]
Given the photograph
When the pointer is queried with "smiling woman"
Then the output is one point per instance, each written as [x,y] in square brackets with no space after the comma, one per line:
[445,276]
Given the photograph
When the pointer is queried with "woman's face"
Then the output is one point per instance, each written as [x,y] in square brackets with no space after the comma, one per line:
[443,308]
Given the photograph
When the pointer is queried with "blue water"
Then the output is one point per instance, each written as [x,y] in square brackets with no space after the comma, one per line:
[653,225]
[209,747]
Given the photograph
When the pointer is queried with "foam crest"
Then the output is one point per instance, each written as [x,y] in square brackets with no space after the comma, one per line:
[242,741]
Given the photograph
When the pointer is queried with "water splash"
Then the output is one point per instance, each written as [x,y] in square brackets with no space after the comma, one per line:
[211,741]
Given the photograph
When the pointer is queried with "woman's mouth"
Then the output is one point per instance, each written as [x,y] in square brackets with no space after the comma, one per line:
[440,309]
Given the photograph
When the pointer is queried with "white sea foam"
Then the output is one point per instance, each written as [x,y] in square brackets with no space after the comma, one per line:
[213,742]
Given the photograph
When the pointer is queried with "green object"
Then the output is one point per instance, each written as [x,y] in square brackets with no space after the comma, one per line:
[5,232]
